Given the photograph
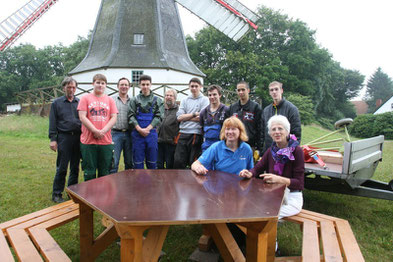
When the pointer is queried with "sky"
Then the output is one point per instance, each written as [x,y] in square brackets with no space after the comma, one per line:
[358,33]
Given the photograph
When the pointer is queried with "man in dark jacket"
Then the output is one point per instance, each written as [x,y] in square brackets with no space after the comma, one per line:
[168,131]
[250,113]
[280,106]
[64,134]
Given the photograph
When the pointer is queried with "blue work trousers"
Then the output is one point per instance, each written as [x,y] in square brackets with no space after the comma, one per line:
[122,141]
[68,152]
[145,149]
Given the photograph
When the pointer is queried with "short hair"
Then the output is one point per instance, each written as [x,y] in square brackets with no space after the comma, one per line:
[123,78]
[100,77]
[67,80]
[243,83]
[214,87]
[144,78]
[195,80]
[174,92]
[275,83]
[279,119]
[233,121]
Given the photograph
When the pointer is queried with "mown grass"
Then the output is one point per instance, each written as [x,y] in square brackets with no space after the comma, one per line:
[27,168]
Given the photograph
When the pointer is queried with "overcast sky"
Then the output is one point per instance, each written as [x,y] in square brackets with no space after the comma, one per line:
[357,33]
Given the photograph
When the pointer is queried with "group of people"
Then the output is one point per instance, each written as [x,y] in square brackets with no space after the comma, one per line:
[201,133]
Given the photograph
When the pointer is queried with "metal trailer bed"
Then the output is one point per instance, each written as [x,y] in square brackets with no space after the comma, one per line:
[354,175]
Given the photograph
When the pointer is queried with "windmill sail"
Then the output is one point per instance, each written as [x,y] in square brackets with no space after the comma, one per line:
[228,16]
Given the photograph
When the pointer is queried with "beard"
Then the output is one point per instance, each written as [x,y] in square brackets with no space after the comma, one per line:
[169,103]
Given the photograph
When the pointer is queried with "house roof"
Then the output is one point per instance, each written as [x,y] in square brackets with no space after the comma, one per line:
[360,106]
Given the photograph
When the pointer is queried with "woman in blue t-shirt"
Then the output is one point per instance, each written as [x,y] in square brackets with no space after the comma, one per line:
[232,154]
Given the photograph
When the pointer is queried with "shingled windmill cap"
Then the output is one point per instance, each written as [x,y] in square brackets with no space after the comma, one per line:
[138,34]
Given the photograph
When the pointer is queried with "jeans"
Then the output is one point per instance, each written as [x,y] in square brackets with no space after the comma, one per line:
[122,141]
[68,152]
[166,155]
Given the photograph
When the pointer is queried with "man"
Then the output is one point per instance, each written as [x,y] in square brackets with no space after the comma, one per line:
[212,117]
[144,113]
[280,106]
[168,131]
[98,114]
[250,113]
[121,133]
[64,134]
[188,147]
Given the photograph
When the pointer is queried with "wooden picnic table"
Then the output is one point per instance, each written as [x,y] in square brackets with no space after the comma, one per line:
[139,200]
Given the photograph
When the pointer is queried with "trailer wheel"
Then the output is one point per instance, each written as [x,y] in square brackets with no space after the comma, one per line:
[391,185]
[343,122]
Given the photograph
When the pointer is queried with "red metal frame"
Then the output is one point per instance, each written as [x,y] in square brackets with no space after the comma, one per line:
[29,21]
[233,10]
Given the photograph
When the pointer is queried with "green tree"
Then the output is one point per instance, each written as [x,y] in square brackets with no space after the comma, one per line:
[379,86]
[24,67]
[281,49]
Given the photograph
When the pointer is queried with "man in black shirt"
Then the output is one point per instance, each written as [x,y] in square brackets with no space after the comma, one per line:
[250,113]
[64,135]
[280,106]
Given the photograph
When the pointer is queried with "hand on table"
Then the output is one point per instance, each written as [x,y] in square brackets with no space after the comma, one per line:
[245,173]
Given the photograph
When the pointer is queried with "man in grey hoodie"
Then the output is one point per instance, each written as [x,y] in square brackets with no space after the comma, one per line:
[190,139]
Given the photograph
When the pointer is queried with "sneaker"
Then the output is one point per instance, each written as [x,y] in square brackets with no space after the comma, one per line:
[57,199]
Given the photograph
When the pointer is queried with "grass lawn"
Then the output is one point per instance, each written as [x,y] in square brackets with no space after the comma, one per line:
[27,167]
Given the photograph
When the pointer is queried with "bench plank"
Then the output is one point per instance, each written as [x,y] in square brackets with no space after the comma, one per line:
[310,246]
[49,216]
[349,246]
[36,214]
[5,252]
[59,221]
[23,247]
[330,246]
[319,215]
[48,247]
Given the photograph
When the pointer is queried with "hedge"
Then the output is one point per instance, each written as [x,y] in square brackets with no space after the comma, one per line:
[368,125]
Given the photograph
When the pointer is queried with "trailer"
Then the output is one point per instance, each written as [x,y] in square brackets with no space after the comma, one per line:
[352,174]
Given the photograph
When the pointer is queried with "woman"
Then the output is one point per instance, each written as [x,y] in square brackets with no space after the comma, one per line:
[232,154]
[283,163]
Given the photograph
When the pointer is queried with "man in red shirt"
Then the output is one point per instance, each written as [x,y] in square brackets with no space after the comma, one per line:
[98,114]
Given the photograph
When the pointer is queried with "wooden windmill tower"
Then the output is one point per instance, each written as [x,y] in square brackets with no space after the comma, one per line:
[134,37]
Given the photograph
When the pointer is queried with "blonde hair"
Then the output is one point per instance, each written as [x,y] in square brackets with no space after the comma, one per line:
[234,122]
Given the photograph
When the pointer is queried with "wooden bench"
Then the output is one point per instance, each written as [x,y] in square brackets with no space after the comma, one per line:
[325,238]
[29,237]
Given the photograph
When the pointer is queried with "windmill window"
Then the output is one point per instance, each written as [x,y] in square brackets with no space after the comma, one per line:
[139,39]
[391,105]
[136,75]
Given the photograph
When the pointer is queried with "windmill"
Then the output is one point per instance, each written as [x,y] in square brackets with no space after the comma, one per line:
[134,37]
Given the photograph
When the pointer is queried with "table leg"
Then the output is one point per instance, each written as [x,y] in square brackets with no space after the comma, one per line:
[261,240]
[86,232]
[225,242]
[134,248]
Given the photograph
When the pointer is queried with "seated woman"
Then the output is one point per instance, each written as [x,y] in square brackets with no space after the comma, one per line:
[283,163]
[232,154]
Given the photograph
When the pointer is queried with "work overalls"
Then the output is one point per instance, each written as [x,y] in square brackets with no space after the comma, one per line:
[145,147]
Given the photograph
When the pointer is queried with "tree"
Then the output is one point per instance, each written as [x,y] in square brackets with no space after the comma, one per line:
[24,67]
[379,86]
[284,50]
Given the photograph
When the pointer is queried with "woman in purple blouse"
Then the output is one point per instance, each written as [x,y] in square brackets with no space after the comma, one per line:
[282,163]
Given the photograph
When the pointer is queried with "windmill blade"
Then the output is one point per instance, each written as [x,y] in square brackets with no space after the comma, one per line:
[228,16]
[16,24]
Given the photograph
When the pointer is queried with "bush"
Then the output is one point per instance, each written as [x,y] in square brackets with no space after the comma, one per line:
[369,125]
[383,125]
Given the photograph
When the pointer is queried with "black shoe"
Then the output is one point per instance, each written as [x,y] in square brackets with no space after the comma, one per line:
[57,199]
